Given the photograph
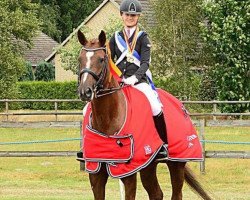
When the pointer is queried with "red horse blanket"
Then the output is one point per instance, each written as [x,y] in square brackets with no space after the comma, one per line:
[183,142]
[137,143]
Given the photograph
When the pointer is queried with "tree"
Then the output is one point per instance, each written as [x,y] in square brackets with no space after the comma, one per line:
[18,25]
[60,17]
[177,45]
[49,17]
[73,13]
[69,53]
[227,34]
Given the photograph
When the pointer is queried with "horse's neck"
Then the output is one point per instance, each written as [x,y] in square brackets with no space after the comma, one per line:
[108,112]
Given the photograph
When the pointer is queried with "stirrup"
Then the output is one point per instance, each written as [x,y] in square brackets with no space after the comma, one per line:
[80,160]
[162,154]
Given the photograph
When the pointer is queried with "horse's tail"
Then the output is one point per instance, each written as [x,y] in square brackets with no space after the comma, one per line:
[194,184]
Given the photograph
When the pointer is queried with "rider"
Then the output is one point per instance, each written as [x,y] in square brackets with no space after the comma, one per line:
[130,50]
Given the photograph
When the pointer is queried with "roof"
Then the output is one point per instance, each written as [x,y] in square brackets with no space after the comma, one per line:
[43,46]
[147,11]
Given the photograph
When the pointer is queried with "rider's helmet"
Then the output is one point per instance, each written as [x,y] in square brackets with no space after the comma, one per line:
[131,7]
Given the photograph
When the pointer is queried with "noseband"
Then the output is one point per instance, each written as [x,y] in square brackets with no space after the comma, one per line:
[99,87]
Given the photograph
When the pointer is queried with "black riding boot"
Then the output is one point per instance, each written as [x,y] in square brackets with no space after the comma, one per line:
[161,127]
[79,156]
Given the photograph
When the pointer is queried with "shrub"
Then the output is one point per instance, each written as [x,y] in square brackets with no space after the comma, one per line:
[184,89]
[28,75]
[47,90]
[45,72]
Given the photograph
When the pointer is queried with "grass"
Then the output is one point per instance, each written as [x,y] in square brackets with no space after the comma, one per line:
[40,118]
[60,178]
[232,134]
[40,134]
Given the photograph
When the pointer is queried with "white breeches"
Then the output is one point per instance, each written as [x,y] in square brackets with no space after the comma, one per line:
[151,96]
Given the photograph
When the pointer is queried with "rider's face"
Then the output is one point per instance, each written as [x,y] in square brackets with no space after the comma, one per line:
[130,20]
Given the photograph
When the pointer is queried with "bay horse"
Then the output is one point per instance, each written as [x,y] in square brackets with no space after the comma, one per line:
[98,86]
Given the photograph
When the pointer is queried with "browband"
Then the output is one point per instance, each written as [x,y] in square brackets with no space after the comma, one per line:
[94,49]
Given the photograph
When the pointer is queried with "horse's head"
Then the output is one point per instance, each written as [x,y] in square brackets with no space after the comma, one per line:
[93,59]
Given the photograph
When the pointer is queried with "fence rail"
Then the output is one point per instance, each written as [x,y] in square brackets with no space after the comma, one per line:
[208,154]
[37,153]
[76,124]
[56,112]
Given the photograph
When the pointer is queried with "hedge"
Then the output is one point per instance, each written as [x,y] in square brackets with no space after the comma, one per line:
[68,90]
[47,90]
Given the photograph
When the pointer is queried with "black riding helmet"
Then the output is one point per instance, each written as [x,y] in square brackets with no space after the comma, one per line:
[131,7]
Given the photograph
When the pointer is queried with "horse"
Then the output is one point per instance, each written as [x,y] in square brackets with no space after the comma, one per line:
[103,91]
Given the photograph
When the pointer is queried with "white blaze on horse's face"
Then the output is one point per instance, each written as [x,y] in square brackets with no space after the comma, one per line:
[89,54]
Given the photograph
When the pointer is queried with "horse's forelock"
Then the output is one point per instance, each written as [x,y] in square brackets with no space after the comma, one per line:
[93,43]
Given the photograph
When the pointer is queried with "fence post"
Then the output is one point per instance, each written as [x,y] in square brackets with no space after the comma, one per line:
[82,164]
[56,110]
[7,109]
[214,110]
[202,136]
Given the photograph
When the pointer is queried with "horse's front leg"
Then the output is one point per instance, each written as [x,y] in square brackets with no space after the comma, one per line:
[130,187]
[98,182]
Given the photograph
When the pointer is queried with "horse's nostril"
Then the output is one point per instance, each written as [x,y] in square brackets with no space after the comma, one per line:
[88,92]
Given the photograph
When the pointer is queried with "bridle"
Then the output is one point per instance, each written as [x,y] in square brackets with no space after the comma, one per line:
[99,89]
[99,78]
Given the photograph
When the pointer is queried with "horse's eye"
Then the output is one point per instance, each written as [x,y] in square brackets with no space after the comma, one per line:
[101,60]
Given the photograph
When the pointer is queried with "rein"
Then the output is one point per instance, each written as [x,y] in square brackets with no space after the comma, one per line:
[99,89]
[108,91]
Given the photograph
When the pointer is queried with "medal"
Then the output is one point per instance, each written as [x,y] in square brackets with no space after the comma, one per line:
[130,58]
[131,47]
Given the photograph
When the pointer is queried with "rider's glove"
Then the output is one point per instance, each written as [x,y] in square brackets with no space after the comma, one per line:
[130,80]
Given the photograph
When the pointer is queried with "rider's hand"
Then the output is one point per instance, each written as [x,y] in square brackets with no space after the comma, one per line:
[130,80]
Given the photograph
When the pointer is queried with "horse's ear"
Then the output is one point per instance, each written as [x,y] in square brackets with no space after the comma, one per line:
[102,38]
[81,37]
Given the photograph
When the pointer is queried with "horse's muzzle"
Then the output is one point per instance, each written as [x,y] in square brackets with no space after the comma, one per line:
[86,94]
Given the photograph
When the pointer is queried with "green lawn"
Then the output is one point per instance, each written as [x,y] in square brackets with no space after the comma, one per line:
[40,134]
[228,134]
[60,178]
